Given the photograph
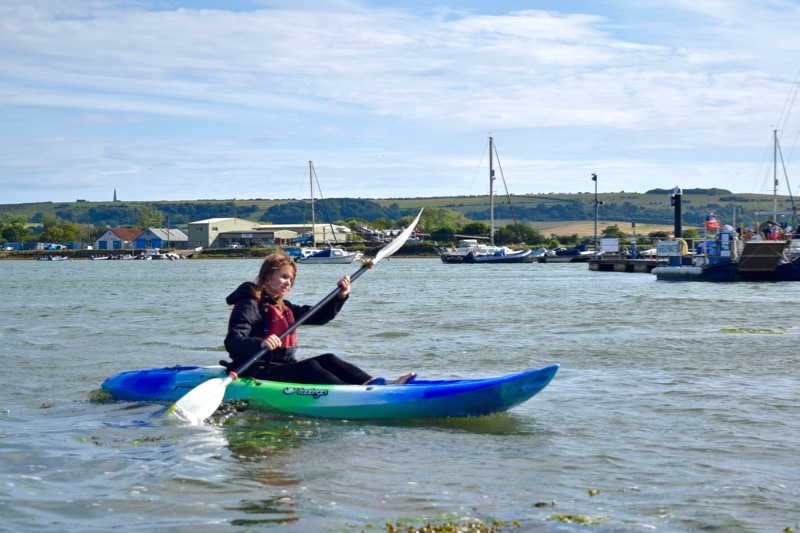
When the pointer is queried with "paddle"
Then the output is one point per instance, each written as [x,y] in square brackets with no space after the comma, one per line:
[201,402]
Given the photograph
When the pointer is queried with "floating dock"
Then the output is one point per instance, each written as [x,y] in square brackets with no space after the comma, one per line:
[622,264]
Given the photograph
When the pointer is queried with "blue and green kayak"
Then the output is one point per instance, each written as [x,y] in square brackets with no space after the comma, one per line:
[417,399]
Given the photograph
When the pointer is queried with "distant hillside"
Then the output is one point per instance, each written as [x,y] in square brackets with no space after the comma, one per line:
[541,211]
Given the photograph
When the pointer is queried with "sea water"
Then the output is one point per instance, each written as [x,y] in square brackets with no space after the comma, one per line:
[677,406]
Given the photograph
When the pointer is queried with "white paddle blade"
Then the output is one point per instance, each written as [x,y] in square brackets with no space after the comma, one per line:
[200,403]
[397,242]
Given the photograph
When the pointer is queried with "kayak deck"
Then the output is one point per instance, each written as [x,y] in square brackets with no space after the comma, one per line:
[418,399]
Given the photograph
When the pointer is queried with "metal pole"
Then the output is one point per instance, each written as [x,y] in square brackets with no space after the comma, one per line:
[675,200]
[313,219]
[596,204]
[491,192]
[775,176]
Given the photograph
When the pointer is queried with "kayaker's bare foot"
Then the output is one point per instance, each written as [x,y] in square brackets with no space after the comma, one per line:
[375,381]
[402,380]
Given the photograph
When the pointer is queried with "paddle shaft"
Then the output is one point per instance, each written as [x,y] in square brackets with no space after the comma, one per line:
[333,294]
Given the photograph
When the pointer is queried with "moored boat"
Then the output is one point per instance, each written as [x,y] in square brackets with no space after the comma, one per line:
[468,249]
[578,254]
[299,251]
[417,399]
[502,254]
[154,253]
[333,253]
[727,258]
[330,255]
[465,247]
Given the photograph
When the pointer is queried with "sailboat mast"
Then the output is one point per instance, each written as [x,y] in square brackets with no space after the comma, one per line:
[313,221]
[491,191]
[775,176]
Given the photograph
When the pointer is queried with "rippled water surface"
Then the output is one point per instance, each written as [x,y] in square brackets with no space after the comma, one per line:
[677,406]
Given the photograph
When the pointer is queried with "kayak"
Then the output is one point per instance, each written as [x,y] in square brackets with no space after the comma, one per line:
[416,399]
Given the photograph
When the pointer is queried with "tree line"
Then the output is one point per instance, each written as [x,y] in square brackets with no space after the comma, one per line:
[76,222]
[555,209]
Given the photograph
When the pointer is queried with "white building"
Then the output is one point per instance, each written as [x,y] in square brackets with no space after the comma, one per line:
[117,239]
[222,232]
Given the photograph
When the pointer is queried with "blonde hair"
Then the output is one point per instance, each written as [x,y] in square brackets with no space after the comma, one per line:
[272,263]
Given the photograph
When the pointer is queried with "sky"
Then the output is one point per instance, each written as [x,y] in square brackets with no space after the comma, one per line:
[219,99]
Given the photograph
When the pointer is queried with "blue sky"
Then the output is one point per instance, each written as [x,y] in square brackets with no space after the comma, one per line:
[179,100]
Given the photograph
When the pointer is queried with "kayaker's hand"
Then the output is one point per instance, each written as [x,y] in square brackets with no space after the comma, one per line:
[344,283]
[272,342]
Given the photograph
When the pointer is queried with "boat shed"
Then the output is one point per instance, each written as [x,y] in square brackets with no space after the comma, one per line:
[217,232]
[162,238]
[117,239]
[222,232]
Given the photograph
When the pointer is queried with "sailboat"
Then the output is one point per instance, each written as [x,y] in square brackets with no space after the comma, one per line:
[331,254]
[470,251]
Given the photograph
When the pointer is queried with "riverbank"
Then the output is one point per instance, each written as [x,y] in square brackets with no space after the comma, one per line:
[408,251]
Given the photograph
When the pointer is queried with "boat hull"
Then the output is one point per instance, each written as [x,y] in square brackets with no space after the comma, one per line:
[716,273]
[578,254]
[330,256]
[746,269]
[418,399]
[470,251]
[344,260]
[451,258]
[788,271]
[585,258]
[522,256]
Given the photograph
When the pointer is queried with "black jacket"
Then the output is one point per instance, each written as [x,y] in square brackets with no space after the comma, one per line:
[248,325]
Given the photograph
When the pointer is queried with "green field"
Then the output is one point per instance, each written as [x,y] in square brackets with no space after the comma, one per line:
[563,222]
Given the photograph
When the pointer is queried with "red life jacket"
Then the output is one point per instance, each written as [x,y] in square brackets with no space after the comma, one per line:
[278,322]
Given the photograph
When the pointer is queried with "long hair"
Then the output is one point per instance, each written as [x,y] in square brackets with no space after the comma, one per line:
[272,263]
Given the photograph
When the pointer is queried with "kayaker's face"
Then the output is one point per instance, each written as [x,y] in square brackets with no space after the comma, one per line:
[280,282]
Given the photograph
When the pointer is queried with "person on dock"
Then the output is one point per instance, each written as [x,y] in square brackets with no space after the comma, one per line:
[261,313]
